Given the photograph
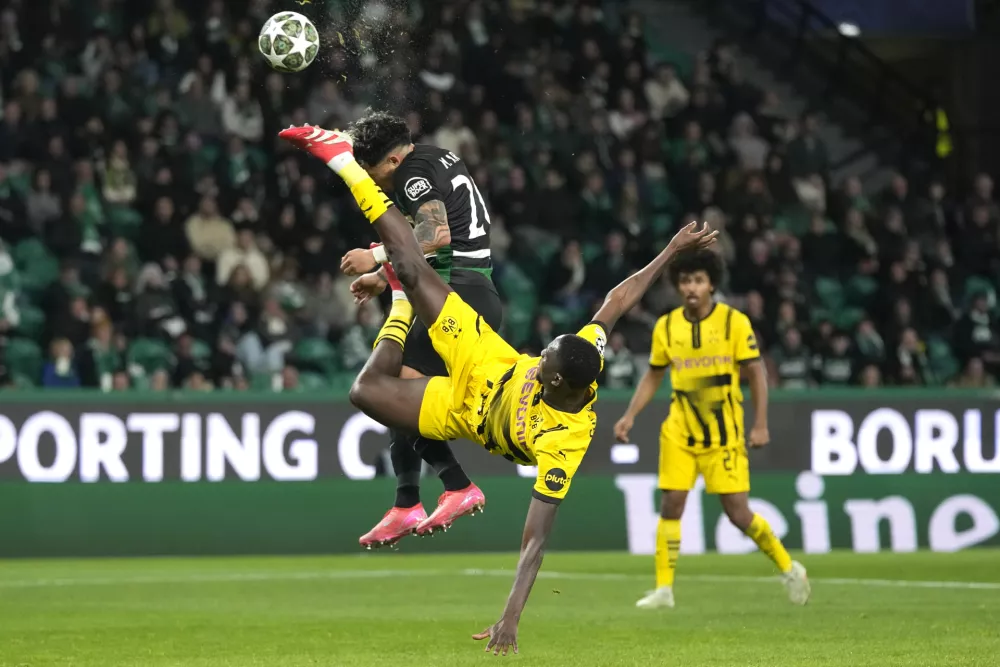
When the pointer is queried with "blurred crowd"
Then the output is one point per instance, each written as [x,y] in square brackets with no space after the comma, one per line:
[155,235]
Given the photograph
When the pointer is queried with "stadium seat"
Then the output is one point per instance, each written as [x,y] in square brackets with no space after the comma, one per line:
[124,222]
[24,358]
[313,382]
[830,293]
[316,354]
[848,318]
[861,290]
[975,285]
[942,361]
[32,323]
[37,267]
[147,355]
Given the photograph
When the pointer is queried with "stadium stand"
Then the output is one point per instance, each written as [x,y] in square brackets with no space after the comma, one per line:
[155,235]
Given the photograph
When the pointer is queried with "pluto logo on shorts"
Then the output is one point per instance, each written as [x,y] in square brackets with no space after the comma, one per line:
[416,186]
[556,480]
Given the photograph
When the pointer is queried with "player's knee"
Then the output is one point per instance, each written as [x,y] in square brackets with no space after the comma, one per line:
[363,391]
[672,504]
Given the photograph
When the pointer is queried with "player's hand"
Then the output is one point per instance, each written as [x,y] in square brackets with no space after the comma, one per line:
[759,436]
[366,287]
[691,238]
[622,428]
[358,261]
[502,637]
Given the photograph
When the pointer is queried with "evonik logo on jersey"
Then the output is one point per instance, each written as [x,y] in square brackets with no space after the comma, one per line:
[416,186]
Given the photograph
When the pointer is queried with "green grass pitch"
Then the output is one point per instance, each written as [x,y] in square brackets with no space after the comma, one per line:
[409,611]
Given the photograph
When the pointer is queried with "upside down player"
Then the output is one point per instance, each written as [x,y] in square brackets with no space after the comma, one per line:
[705,343]
[452,226]
[530,410]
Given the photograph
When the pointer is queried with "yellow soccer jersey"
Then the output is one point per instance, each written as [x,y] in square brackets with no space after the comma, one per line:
[706,408]
[523,428]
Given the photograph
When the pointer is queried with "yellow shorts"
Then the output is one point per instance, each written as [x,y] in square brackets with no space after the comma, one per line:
[725,469]
[473,353]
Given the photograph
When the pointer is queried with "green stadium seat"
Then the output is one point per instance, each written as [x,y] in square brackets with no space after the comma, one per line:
[147,355]
[124,222]
[32,323]
[942,361]
[848,318]
[262,382]
[316,354]
[200,350]
[830,293]
[37,267]
[24,358]
[861,290]
[591,251]
[977,285]
[313,382]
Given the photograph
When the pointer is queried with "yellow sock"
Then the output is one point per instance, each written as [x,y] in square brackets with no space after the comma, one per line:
[370,198]
[668,547]
[397,325]
[761,533]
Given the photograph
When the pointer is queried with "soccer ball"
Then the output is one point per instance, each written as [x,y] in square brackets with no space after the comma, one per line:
[289,42]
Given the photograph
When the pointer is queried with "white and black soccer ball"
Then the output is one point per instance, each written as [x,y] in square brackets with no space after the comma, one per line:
[289,42]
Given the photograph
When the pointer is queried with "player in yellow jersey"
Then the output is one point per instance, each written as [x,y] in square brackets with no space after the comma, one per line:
[705,344]
[531,410]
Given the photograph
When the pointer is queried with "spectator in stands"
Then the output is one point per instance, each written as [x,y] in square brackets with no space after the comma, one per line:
[974,376]
[246,254]
[976,334]
[60,371]
[209,233]
[620,366]
[666,94]
[565,277]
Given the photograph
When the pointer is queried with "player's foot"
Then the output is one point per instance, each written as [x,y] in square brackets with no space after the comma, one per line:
[452,505]
[661,598]
[327,145]
[394,526]
[797,583]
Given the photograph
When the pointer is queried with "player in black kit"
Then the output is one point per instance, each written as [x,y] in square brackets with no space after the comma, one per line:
[433,188]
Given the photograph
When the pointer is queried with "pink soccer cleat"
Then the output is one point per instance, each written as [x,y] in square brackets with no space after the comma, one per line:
[327,145]
[452,505]
[397,523]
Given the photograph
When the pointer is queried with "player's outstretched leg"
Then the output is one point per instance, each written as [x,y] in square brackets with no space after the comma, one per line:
[756,527]
[460,497]
[406,512]
[424,287]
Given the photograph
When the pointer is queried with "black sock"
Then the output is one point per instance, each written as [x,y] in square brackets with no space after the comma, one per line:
[406,464]
[439,456]
[407,495]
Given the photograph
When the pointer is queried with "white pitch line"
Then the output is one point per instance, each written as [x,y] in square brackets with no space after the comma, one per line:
[225,577]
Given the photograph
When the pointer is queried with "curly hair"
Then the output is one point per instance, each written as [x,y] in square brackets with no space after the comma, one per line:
[692,261]
[375,134]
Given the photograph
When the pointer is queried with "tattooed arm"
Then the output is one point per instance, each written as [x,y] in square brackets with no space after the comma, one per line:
[430,227]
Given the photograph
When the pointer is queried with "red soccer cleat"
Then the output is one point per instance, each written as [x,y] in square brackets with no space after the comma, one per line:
[327,145]
[394,526]
[452,505]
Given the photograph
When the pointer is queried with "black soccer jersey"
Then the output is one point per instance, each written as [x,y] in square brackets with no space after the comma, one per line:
[430,173]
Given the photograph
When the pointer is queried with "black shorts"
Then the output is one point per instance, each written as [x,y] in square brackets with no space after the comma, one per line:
[419,353]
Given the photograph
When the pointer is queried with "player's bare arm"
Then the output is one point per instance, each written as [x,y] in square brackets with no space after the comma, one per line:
[650,383]
[430,229]
[431,226]
[537,527]
[629,292]
[757,376]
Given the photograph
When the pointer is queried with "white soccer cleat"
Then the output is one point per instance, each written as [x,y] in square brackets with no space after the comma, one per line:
[662,597]
[797,584]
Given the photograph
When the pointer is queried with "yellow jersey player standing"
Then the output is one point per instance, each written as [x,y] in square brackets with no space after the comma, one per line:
[705,344]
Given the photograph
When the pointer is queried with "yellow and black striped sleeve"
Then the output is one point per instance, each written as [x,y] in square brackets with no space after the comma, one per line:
[659,351]
[744,340]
